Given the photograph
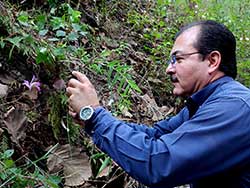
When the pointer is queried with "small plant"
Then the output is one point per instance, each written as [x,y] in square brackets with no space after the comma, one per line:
[102,161]
[243,73]
[15,177]
[57,107]
[32,84]
[120,79]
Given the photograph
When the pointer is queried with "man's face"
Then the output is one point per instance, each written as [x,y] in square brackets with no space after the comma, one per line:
[189,73]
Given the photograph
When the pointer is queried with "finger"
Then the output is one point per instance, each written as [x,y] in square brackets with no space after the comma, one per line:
[73,82]
[69,101]
[81,77]
[73,114]
[70,91]
[71,109]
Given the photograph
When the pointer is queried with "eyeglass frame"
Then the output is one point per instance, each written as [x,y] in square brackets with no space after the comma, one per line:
[173,60]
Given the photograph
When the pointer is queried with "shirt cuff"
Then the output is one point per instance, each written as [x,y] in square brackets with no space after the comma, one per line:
[90,124]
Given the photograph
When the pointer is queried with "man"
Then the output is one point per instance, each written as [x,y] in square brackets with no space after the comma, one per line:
[207,144]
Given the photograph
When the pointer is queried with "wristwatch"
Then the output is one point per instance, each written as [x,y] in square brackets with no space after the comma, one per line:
[86,113]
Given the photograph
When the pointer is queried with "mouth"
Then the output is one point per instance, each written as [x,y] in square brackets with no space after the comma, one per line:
[173,79]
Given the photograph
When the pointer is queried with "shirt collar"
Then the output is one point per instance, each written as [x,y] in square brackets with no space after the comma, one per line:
[200,96]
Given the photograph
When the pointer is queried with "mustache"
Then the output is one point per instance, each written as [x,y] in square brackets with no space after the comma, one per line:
[173,78]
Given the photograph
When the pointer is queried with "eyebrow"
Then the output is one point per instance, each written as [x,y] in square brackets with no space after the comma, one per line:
[176,52]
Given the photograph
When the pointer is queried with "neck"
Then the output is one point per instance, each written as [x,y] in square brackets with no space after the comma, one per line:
[209,80]
[218,75]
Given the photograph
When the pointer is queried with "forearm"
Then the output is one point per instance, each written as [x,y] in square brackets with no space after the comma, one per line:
[136,148]
[127,144]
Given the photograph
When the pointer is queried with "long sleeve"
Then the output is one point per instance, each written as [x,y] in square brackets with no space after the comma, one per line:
[215,139]
[199,147]
[162,127]
[158,129]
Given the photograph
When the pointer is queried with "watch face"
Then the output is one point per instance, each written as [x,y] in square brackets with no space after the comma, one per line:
[86,113]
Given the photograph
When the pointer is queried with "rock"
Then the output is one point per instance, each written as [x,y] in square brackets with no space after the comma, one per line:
[3,90]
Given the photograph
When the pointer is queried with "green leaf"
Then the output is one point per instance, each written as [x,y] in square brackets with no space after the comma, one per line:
[115,80]
[40,21]
[59,53]
[42,50]
[73,36]
[76,27]
[51,181]
[8,163]
[7,154]
[126,91]
[53,39]
[3,175]
[105,53]
[2,43]
[121,85]
[111,64]
[29,39]
[97,156]
[83,33]
[52,10]
[160,2]
[43,56]
[133,85]
[55,179]
[123,68]
[75,15]
[106,162]
[57,23]
[23,19]
[60,33]
[15,40]
[43,32]
[157,35]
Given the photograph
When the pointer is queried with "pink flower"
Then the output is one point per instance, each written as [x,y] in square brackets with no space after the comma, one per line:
[32,84]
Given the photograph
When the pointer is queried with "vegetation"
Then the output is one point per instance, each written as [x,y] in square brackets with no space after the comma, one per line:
[122,46]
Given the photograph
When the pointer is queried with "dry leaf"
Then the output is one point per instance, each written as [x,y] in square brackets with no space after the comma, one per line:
[31,94]
[75,165]
[59,84]
[1,131]
[104,173]
[126,113]
[15,121]
[3,90]
[6,79]
[153,110]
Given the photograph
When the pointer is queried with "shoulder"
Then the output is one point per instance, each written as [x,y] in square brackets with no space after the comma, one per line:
[232,91]
[229,100]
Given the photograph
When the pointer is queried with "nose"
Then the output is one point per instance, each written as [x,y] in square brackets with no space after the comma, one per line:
[170,69]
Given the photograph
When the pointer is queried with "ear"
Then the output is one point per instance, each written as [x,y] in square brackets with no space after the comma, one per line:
[214,59]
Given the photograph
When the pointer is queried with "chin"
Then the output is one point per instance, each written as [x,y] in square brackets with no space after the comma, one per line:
[178,92]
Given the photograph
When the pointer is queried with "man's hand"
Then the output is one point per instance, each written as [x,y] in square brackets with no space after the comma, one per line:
[81,93]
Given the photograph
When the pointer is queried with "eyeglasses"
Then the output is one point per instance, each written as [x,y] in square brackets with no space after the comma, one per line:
[174,58]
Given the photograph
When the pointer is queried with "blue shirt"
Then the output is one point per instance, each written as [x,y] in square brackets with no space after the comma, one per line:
[208,146]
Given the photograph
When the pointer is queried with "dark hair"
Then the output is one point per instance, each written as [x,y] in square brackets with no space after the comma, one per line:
[215,36]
